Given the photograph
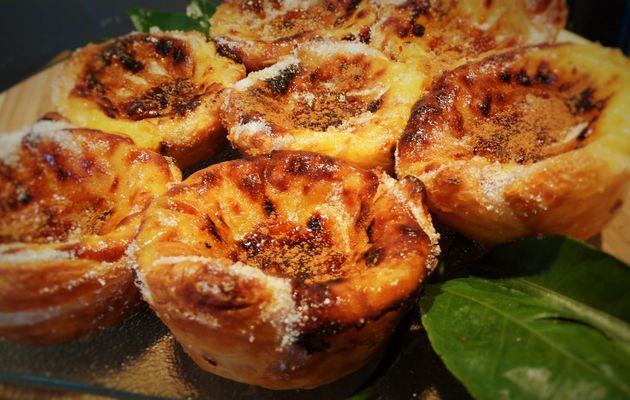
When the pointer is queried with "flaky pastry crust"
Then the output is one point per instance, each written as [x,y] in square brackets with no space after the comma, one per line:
[287,270]
[162,89]
[438,35]
[70,202]
[258,33]
[536,140]
[338,98]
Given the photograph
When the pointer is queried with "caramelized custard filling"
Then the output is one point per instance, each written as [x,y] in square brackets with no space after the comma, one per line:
[43,200]
[140,76]
[278,23]
[312,252]
[305,253]
[317,96]
[520,112]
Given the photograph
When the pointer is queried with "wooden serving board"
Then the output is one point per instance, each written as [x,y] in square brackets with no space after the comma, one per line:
[24,103]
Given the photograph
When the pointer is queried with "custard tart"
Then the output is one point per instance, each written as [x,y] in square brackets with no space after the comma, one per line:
[258,33]
[162,89]
[536,140]
[438,35]
[69,206]
[339,98]
[286,270]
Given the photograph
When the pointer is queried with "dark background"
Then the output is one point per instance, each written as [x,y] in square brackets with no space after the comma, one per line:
[32,32]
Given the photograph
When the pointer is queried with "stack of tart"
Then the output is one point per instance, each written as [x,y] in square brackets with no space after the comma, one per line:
[358,121]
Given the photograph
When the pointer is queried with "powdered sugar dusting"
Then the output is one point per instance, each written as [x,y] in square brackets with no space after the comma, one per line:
[47,130]
[423,218]
[326,48]
[10,147]
[251,128]
[31,255]
[140,279]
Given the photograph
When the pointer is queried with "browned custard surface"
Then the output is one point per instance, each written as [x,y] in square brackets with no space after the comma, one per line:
[162,89]
[338,98]
[437,35]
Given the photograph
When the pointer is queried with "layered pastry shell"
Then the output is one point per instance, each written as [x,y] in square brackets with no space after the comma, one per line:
[339,98]
[69,206]
[287,270]
[532,141]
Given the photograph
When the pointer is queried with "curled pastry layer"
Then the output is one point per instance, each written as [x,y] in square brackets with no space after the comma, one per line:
[70,202]
[532,141]
[258,33]
[163,90]
[287,270]
[438,35]
[338,98]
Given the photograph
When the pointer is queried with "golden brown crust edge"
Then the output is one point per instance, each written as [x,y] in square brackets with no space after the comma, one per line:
[548,152]
[70,204]
[213,281]
[162,89]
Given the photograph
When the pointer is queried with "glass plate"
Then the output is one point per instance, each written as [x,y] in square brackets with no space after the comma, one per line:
[139,359]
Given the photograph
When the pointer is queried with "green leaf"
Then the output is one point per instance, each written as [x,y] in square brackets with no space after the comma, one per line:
[557,327]
[143,20]
[200,9]
[196,18]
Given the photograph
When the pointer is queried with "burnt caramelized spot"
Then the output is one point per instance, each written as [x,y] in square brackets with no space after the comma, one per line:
[280,83]
[484,107]
[269,207]
[313,342]
[314,223]
[163,46]
[24,198]
[375,105]
[584,102]
[116,78]
[324,168]
[210,227]
[210,361]
[369,230]
[164,148]
[365,35]
[373,256]
[505,76]
[179,54]
[522,78]
[174,97]
[252,185]
[352,6]
[544,74]
[418,30]
[232,52]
